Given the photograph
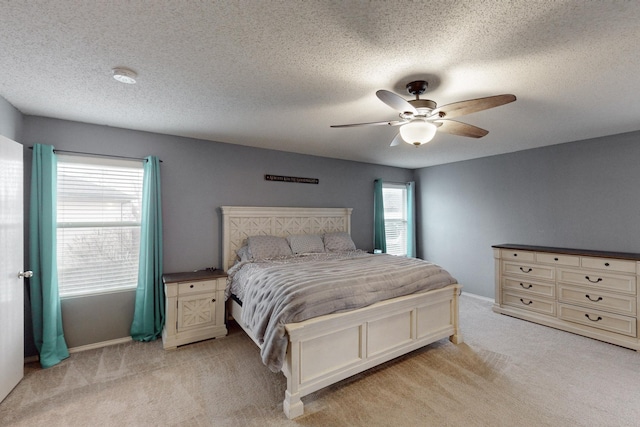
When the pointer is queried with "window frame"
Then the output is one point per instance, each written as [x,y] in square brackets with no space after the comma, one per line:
[74,222]
[402,220]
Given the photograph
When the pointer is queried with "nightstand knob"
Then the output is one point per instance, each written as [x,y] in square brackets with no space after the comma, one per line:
[213,300]
[191,286]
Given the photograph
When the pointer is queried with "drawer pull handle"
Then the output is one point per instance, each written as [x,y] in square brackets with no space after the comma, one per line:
[528,271]
[213,300]
[515,254]
[526,303]
[191,286]
[587,316]
[555,259]
[594,300]
[606,264]
[593,281]
[526,287]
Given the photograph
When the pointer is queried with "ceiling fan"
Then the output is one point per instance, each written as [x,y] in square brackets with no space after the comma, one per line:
[421,118]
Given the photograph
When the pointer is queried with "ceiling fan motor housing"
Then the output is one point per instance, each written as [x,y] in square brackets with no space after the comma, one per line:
[417,87]
[423,103]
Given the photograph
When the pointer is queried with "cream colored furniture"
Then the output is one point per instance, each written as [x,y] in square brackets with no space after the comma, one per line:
[194,307]
[327,349]
[590,293]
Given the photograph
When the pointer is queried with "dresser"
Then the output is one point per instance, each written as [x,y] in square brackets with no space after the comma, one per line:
[591,293]
[194,307]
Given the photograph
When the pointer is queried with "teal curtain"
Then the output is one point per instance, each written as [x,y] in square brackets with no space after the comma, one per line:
[379,234]
[45,300]
[149,316]
[411,223]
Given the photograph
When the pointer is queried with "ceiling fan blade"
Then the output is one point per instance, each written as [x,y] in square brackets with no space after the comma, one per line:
[395,101]
[473,105]
[388,122]
[396,141]
[461,129]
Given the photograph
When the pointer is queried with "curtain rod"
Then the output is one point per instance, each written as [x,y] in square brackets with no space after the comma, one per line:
[95,155]
[395,182]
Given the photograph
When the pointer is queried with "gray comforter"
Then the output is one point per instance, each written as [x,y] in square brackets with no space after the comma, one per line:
[291,290]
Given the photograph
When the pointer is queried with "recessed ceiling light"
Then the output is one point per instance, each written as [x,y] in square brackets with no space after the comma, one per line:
[125,75]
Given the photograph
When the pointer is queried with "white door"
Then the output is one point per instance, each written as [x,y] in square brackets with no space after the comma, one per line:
[11,265]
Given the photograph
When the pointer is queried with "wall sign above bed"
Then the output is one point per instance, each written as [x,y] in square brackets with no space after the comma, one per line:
[291,179]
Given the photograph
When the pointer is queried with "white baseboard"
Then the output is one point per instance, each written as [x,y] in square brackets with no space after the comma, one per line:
[99,345]
[31,359]
[491,300]
[36,358]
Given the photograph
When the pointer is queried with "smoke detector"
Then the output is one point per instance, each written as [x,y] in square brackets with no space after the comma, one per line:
[125,75]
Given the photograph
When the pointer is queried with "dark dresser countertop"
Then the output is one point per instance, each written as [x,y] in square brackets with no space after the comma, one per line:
[568,251]
[190,276]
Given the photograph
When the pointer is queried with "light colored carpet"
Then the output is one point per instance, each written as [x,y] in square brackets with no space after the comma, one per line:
[507,373]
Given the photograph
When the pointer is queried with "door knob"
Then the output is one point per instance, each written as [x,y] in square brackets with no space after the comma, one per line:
[25,274]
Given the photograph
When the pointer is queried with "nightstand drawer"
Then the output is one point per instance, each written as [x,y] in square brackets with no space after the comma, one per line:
[598,319]
[196,287]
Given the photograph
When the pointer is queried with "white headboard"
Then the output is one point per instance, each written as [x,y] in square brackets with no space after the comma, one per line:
[240,222]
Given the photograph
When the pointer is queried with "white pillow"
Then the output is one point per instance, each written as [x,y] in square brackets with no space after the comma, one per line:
[262,247]
[338,242]
[305,243]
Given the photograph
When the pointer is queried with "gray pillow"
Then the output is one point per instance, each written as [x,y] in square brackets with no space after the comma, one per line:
[338,242]
[262,247]
[243,253]
[305,243]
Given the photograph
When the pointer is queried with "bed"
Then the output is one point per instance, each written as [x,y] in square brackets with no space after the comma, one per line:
[323,350]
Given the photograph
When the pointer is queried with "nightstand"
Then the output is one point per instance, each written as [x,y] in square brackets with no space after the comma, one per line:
[194,307]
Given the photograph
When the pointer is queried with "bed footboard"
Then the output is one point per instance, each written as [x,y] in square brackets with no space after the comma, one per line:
[327,349]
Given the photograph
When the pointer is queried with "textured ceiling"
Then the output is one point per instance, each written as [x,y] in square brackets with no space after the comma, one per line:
[277,74]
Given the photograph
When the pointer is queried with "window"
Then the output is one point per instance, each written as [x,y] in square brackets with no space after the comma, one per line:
[99,204]
[395,218]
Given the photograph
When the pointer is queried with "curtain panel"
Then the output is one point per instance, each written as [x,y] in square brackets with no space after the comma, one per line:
[379,233]
[149,315]
[43,286]
[411,219]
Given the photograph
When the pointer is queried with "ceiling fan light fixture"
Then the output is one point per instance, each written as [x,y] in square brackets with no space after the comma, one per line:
[125,75]
[418,132]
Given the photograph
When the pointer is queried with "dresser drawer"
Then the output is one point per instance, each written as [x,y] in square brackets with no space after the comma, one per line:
[558,259]
[594,298]
[516,255]
[598,319]
[529,270]
[528,302]
[187,288]
[530,287]
[619,265]
[598,279]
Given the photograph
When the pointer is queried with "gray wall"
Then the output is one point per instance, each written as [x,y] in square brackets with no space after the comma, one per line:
[198,177]
[583,195]
[10,121]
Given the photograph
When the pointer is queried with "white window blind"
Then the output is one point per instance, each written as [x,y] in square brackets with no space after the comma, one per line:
[99,204]
[395,218]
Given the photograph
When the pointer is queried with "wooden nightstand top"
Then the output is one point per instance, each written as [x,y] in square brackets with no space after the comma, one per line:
[190,276]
